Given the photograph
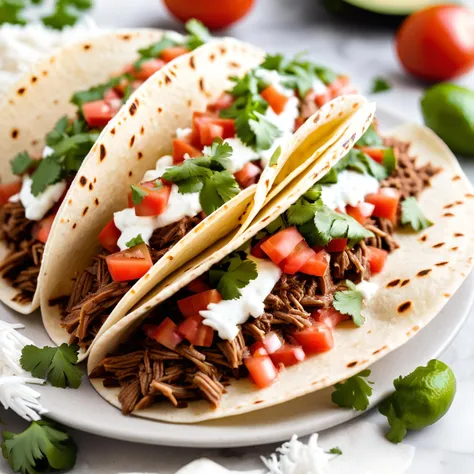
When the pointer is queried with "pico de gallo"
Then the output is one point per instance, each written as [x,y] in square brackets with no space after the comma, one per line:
[223,152]
[28,205]
[277,301]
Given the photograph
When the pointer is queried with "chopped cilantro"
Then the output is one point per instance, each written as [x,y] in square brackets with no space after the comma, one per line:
[354,392]
[135,241]
[98,92]
[47,173]
[56,364]
[153,51]
[276,154]
[217,189]
[138,194]
[276,225]
[21,163]
[66,13]
[302,211]
[335,450]
[232,275]
[350,302]
[389,160]
[370,138]
[330,177]
[10,11]
[380,85]
[357,160]
[265,131]
[198,34]
[413,216]
[42,447]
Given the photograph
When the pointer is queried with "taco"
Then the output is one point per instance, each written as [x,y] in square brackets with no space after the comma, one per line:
[51,120]
[346,265]
[173,174]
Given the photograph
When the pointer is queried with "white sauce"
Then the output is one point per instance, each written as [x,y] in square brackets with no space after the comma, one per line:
[368,289]
[36,207]
[273,78]
[182,133]
[285,121]
[162,165]
[351,188]
[48,151]
[319,87]
[226,315]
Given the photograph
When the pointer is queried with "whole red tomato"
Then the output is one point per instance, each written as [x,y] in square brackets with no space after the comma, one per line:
[215,14]
[437,43]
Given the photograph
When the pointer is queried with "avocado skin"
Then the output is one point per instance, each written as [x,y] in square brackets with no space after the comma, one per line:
[448,109]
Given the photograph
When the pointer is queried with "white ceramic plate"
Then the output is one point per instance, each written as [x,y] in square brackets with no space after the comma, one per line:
[85,410]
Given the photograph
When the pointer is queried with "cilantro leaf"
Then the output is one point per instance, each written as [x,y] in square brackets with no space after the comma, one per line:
[98,92]
[335,450]
[389,160]
[350,302]
[276,154]
[56,364]
[237,275]
[370,138]
[138,194]
[135,241]
[413,216]
[265,131]
[66,13]
[354,392]
[330,177]
[198,34]
[357,160]
[380,85]
[190,185]
[48,172]
[219,188]
[276,225]
[42,446]
[10,11]
[153,51]
[195,168]
[219,154]
[21,163]
[58,132]
[302,211]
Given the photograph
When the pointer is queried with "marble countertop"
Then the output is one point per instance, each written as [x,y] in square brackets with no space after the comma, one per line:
[290,26]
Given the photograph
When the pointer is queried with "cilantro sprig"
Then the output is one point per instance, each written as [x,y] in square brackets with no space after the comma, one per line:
[380,85]
[354,392]
[55,364]
[413,216]
[42,447]
[232,274]
[207,175]
[135,241]
[350,302]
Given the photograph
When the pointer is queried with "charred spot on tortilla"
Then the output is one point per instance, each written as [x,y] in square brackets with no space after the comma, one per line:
[454,249]
[160,110]
[456,178]
[74,225]
[405,282]
[316,118]
[173,73]
[83,181]
[86,47]
[113,131]
[139,155]
[69,202]
[413,330]
[438,245]
[223,50]
[469,195]
[404,307]
[21,90]
[132,141]
[459,203]
[423,273]
[142,130]
[33,79]
[234,65]
[167,79]
[45,73]
[380,350]
[103,151]
[130,173]
[84,212]
[91,186]
[447,295]
[189,103]
[201,85]
[96,201]
[192,64]
[147,276]
[423,238]
[14,133]
[352,364]
[441,264]
[355,105]
[393,283]
[133,108]
[256,402]
[132,291]
[95,179]
[448,214]
[126,37]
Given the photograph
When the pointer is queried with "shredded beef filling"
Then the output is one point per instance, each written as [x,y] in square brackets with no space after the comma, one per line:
[22,264]
[147,372]
[94,294]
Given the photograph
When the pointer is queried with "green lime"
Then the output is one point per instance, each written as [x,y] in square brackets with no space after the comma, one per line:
[420,399]
[448,109]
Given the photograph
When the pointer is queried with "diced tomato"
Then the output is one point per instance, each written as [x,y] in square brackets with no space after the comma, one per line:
[298,122]
[148,68]
[130,264]
[271,342]
[275,99]
[196,332]
[7,190]
[42,228]
[377,258]
[97,113]
[109,236]
[336,245]
[329,316]
[173,52]
[280,245]
[202,118]
[257,249]
[191,305]
[297,258]
[166,333]
[375,153]
[223,102]
[385,202]
[208,132]
[317,338]
[360,212]
[317,264]
[155,202]
[180,148]
[113,100]
[323,98]
[288,355]
[198,286]
[247,175]
[261,369]
[338,86]
[257,349]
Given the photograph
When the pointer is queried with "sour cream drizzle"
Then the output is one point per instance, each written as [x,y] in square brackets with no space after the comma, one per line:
[226,315]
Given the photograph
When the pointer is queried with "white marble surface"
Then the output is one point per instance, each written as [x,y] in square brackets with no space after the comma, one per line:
[291,26]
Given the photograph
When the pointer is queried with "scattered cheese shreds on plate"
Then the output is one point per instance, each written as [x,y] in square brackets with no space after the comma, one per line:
[15,394]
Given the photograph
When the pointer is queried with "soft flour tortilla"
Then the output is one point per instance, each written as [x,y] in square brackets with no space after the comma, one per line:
[31,108]
[131,144]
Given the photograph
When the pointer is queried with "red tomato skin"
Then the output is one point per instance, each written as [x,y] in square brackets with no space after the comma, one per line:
[360,212]
[281,244]
[322,99]
[166,333]
[436,43]
[97,114]
[173,52]
[317,264]
[257,249]
[275,99]
[210,131]
[191,305]
[385,203]
[223,102]
[198,286]
[288,355]
[180,148]
[261,370]
[329,316]
[375,153]
[7,190]
[336,245]
[248,175]
[109,236]
[148,68]
[215,15]
[130,264]
[155,202]
[315,339]
[195,332]
[297,258]
[44,228]
[202,118]
[377,258]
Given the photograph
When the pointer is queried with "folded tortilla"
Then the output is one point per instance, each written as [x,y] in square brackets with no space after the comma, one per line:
[416,282]
[130,145]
